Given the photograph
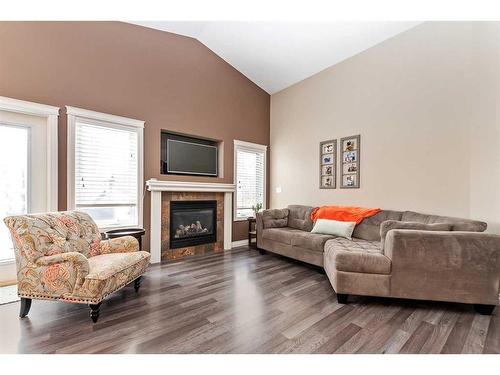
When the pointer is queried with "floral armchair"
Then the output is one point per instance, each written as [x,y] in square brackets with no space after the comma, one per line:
[61,256]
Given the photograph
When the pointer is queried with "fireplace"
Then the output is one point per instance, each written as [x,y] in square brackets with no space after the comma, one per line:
[192,223]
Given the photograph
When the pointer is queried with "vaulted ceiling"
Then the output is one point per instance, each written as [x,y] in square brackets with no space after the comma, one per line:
[275,55]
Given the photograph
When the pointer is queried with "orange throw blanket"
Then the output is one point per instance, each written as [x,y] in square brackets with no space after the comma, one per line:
[343,213]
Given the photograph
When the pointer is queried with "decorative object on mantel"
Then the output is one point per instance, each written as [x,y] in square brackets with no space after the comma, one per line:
[350,162]
[256,208]
[327,164]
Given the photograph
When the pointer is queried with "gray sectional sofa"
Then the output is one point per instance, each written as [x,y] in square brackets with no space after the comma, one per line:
[394,254]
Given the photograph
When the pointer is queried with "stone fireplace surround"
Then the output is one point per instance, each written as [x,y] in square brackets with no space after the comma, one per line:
[157,187]
[167,197]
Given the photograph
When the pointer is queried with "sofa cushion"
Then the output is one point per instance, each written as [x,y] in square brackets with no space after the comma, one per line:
[458,224]
[357,255]
[311,241]
[387,225]
[299,217]
[275,218]
[283,235]
[102,267]
[334,227]
[369,228]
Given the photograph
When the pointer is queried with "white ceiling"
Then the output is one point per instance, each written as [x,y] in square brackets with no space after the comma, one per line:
[276,55]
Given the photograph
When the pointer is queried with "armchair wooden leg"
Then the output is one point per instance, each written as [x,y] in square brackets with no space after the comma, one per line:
[94,312]
[25,307]
[137,284]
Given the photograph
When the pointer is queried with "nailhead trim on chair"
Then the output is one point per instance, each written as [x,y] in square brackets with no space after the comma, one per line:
[79,300]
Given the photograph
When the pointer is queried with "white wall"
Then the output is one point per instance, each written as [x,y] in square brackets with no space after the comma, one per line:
[426,105]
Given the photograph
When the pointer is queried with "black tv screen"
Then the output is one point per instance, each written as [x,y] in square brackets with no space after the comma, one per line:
[191,158]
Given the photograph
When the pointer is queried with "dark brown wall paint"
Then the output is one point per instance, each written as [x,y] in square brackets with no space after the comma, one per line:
[169,81]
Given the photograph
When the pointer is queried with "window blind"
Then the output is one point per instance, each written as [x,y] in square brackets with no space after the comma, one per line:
[106,166]
[249,180]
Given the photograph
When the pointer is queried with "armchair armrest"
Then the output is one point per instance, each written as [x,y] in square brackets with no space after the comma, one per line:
[125,244]
[64,272]
[79,260]
[450,266]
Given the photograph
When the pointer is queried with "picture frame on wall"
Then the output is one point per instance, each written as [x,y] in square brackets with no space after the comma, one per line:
[350,162]
[328,164]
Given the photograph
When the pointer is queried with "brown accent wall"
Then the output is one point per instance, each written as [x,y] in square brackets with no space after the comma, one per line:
[169,81]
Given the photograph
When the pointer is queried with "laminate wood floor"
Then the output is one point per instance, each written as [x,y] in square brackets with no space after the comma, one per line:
[244,302]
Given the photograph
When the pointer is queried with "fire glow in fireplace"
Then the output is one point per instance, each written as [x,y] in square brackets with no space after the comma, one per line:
[192,223]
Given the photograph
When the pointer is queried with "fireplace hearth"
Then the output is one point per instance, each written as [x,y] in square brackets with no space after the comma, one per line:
[192,223]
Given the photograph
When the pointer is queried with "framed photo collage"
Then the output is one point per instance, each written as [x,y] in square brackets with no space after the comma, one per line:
[348,163]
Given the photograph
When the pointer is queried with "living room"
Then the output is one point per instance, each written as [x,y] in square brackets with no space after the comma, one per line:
[212,184]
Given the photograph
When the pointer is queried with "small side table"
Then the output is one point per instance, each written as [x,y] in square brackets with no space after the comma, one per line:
[252,232]
[134,232]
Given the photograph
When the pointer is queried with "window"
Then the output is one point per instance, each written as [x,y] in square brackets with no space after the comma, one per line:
[28,167]
[250,177]
[14,190]
[105,172]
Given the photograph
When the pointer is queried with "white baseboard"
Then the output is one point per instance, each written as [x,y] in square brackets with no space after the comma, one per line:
[7,271]
[239,243]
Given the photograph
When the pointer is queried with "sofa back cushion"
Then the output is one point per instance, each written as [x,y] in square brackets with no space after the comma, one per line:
[275,218]
[369,228]
[458,224]
[334,228]
[299,217]
[40,235]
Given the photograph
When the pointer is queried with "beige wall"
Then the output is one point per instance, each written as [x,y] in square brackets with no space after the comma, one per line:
[169,81]
[426,105]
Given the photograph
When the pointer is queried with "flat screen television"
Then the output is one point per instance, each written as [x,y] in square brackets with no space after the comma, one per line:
[183,155]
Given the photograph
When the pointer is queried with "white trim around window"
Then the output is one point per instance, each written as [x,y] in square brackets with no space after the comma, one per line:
[252,147]
[109,121]
[51,114]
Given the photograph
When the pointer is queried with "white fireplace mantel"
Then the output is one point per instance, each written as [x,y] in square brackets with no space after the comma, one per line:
[157,186]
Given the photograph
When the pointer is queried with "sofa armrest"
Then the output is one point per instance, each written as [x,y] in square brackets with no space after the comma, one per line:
[449,266]
[274,218]
[125,244]
[259,226]
[389,225]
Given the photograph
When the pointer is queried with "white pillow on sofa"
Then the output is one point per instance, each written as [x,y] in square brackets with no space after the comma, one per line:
[334,228]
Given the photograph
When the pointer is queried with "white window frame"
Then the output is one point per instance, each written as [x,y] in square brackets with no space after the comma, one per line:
[50,114]
[252,147]
[74,115]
